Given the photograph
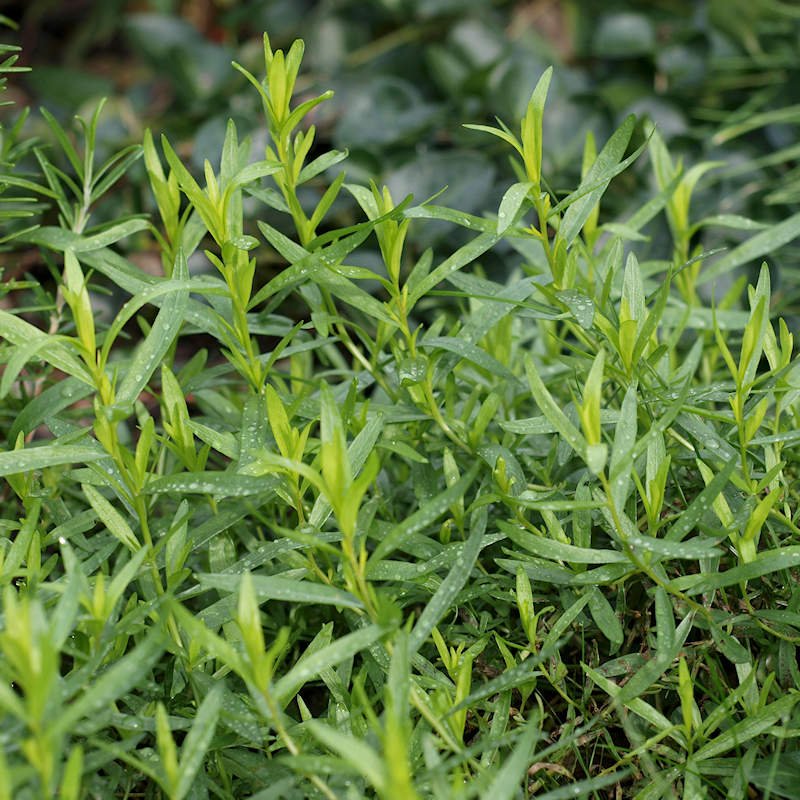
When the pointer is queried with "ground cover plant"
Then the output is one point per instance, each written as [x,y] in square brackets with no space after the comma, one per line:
[717,76]
[400,527]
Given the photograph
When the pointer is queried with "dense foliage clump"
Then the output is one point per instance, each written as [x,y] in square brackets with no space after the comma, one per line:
[319,511]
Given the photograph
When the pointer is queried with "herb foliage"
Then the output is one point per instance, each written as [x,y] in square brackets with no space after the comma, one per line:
[436,534]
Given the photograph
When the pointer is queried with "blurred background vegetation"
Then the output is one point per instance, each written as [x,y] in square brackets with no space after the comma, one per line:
[718,77]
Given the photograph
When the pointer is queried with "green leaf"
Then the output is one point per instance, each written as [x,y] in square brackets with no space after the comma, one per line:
[511,203]
[308,668]
[111,518]
[423,517]
[355,752]
[62,239]
[691,549]
[766,562]
[222,442]
[112,684]
[445,214]
[522,672]
[336,469]
[63,140]
[731,221]
[214,644]
[624,442]
[270,587]
[450,587]
[252,172]
[346,290]
[357,454]
[633,288]
[109,236]
[320,164]
[531,127]
[197,197]
[463,256]
[778,772]
[764,242]
[642,680]
[71,780]
[162,334]
[760,120]
[20,356]
[535,426]
[500,134]
[757,722]
[507,780]
[220,484]
[15,461]
[197,741]
[601,172]
[589,412]
[759,515]
[122,273]
[559,551]
[256,415]
[311,264]
[167,751]
[607,621]
[472,353]
[17,331]
[636,705]
[584,787]
[580,306]
[697,509]
[49,403]
[63,618]
[19,549]
[113,169]
[550,409]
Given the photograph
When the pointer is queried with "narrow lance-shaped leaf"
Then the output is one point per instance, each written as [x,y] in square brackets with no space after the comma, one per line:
[332,654]
[17,331]
[451,585]
[764,242]
[531,128]
[274,587]
[551,410]
[463,256]
[511,203]
[358,452]
[681,528]
[766,562]
[336,469]
[577,214]
[522,672]
[197,741]
[14,461]
[359,756]
[112,684]
[509,777]
[749,728]
[20,356]
[220,484]
[111,518]
[424,516]
[162,334]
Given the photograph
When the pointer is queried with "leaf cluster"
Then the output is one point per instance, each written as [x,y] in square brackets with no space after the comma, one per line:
[439,534]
